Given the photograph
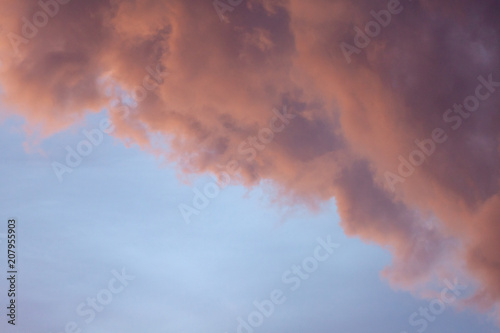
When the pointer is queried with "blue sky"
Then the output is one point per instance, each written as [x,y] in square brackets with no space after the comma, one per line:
[361,138]
[119,210]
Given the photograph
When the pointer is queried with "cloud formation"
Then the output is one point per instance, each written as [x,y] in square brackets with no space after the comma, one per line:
[353,120]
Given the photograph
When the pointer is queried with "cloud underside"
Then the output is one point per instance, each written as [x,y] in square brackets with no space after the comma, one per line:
[360,114]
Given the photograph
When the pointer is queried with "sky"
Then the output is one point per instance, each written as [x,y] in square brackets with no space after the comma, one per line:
[250,166]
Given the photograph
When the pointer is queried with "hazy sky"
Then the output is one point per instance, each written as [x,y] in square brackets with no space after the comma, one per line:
[251,166]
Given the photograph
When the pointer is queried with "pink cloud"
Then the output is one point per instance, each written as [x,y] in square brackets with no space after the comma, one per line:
[352,121]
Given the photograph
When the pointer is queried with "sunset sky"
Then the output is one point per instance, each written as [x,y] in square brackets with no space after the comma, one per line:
[251,165]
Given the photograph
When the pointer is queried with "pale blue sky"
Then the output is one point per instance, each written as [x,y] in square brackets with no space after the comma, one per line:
[119,210]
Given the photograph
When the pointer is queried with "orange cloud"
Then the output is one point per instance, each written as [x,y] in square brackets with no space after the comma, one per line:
[353,119]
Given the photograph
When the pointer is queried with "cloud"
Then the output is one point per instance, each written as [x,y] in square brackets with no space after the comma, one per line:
[353,120]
